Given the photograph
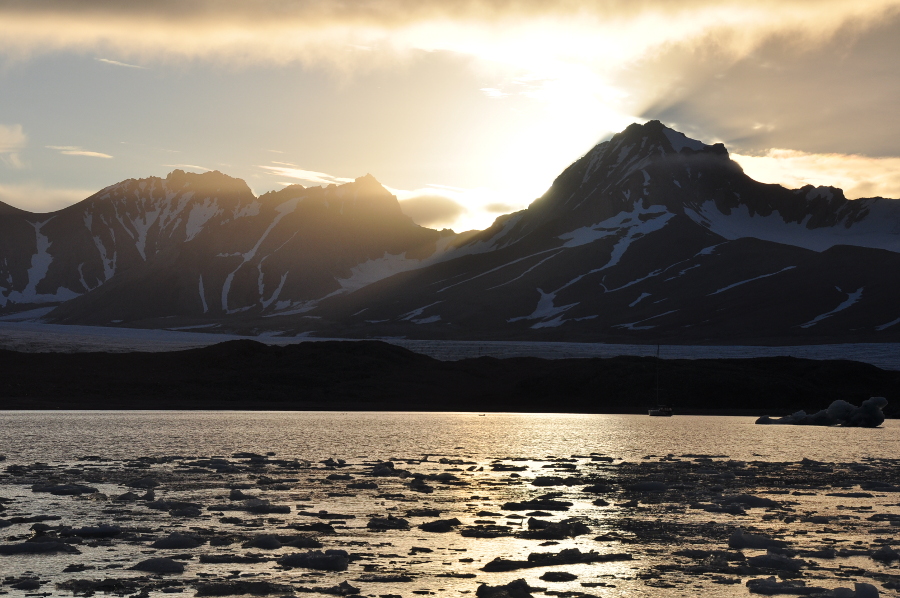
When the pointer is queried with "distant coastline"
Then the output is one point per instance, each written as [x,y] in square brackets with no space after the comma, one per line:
[376,376]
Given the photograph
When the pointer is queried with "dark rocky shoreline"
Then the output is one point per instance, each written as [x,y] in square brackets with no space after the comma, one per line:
[373,375]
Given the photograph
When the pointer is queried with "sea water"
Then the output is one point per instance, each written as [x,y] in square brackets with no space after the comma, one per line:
[826,485]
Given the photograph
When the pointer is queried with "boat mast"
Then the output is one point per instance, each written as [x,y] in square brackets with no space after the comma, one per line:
[657,375]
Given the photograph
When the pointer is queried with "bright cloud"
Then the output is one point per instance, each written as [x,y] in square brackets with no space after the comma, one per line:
[575,70]
[74,150]
[457,208]
[188,166]
[117,63]
[432,210]
[858,176]
[568,40]
[434,206]
[12,139]
[309,176]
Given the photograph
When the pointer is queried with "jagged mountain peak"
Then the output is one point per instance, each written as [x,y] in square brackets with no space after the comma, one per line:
[655,137]
[211,182]
[823,192]
[363,197]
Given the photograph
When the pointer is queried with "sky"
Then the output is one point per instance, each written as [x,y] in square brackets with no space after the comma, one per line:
[465,109]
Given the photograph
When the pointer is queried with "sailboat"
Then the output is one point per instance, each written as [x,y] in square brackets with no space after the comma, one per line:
[659,410]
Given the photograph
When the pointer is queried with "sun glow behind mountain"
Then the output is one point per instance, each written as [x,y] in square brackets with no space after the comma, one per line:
[477,103]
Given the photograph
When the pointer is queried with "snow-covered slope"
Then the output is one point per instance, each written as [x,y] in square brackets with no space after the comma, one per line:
[655,235]
[650,236]
[191,244]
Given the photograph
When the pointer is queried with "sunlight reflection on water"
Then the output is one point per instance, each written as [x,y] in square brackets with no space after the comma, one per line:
[650,529]
[60,436]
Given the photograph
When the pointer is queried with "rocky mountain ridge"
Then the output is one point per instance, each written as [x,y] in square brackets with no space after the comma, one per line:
[650,236]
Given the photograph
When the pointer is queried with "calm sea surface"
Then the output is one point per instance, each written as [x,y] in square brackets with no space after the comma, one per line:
[655,503]
[63,436]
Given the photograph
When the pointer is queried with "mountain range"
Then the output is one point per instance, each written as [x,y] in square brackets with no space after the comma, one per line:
[649,237]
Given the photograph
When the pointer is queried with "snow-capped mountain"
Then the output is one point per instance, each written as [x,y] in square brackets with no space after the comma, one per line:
[653,236]
[650,236]
[204,245]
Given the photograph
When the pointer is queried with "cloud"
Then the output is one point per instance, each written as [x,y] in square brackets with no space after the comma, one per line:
[594,65]
[493,92]
[837,98]
[35,197]
[432,210]
[190,166]
[74,150]
[12,139]
[858,176]
[117,63]
[310,176]
[527,33]
[500,208]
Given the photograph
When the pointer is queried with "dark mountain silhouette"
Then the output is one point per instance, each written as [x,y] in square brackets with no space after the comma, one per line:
[651,236]
[372,375]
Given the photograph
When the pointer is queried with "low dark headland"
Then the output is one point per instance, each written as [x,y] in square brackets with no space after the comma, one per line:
[372,375]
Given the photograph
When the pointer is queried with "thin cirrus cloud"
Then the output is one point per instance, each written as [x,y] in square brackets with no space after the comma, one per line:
[288,170]
[74,150]
[122,64]
[188,166]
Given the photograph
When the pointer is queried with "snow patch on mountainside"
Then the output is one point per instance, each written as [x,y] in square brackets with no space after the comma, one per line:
[880,229]
[492,270]
[40,265]
[636,325]
[737,284]
[371,271]
[413,315]
[251,209]
[526,271]
[283,210]
[142,227]
[680,141]
[200,214]
[203,296]
[489,244]
[267,302]
[40,261]
[849,301]
[109,264]
[639,299]
[888,325]
[641,220]
[546,310]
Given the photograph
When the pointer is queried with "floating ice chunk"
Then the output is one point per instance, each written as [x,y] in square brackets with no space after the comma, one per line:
[176,540]
[839,413]
[741,539]
[160,565]
[771,586]
[773,560]
[330,560]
